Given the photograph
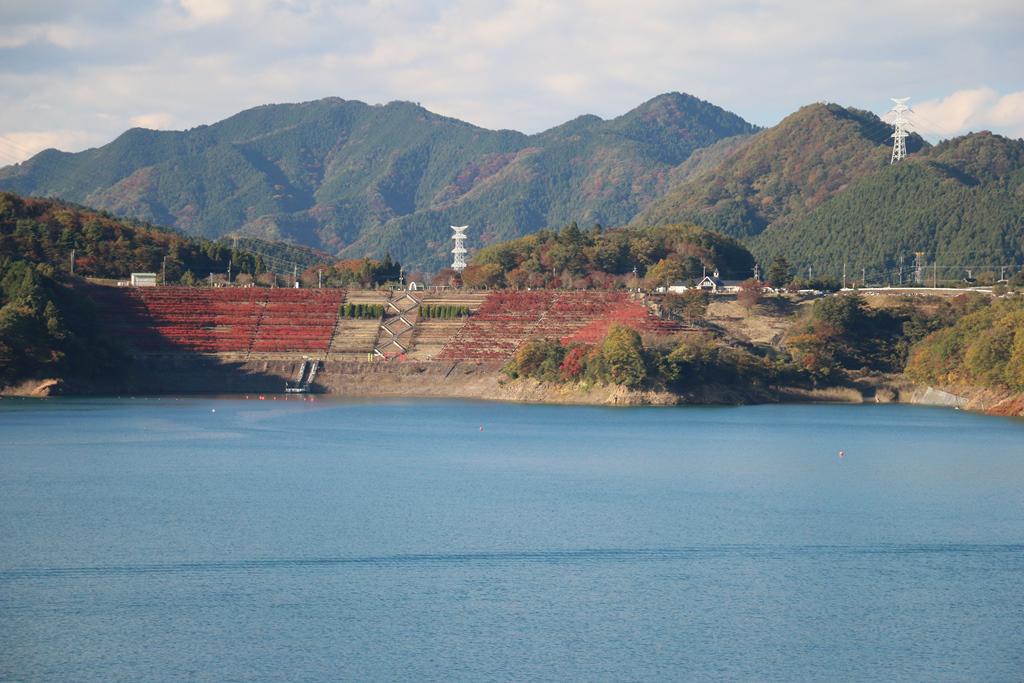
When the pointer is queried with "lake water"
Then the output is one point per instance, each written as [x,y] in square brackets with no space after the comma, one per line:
[234,540]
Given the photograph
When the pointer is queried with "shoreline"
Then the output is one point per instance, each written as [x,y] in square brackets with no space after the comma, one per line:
[187,376]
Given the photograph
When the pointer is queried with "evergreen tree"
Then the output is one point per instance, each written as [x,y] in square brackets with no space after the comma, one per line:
[780,272]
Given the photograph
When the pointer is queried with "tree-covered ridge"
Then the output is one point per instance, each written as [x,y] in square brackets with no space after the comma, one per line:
[46,327]
[960,202]
[983,348]
[596,258]
[46,231]
[356,180]
[842,333]
[780,173]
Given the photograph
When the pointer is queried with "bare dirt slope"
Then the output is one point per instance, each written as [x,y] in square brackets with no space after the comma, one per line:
[766,323]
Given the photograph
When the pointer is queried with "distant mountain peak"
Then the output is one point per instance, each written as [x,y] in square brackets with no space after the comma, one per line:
[360,179]
[780,172]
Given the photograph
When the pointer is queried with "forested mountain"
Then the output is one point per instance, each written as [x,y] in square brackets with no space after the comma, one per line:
[354,179]
[779,174]
[819,191]
[961,202]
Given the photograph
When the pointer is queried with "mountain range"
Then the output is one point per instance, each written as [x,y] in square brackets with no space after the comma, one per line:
[819,190]
[353,179]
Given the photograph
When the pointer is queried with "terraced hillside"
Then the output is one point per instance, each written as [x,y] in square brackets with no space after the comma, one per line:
[509,318]
[259,323]
[230,320]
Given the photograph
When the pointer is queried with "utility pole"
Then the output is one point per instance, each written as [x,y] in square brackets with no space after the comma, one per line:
[901,270]
[844,274]
[935,274]
[229,271]
[163,271]
[72,263]
[863,277]
[320,278]
[295,275]
[809,278]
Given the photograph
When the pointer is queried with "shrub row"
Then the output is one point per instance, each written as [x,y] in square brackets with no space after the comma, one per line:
[443,311]
[362,311]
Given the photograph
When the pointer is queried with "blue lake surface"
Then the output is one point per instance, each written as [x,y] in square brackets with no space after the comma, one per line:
[242,540]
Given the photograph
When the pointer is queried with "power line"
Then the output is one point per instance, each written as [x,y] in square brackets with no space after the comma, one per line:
[10,158]
[15,146]
[18,158]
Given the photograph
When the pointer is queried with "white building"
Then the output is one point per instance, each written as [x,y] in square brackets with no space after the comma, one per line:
[712,283]
[143,279]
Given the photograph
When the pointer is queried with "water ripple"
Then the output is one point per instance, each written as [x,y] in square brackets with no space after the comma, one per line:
[565,556]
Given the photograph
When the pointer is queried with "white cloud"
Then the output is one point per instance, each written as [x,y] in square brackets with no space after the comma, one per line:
[156,120]
[204,11]
[19,145]
[971,110]
[98,67]
[1008,113]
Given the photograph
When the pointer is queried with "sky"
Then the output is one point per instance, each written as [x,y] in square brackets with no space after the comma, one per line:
[75,74]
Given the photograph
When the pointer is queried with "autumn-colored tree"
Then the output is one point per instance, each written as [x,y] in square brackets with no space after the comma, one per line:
[574,363]
[691,305]
[623,353]
[751,294]
[667,271]
[485,276]
[446,277]
[537,358]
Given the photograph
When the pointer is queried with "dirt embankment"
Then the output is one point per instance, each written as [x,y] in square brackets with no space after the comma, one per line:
[198,375]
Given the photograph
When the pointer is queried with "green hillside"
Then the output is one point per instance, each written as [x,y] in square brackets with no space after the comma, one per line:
[961,202]
[605,259]
[45,231]
[779,174]
[985,348]
[354,179]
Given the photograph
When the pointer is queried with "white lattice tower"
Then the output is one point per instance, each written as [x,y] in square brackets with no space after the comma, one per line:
[459,252]
[899,135]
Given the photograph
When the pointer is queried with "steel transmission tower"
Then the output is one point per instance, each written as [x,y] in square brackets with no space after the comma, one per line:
[899,136]
[459,252]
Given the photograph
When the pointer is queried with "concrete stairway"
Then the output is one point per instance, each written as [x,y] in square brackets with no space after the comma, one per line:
[400,317]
